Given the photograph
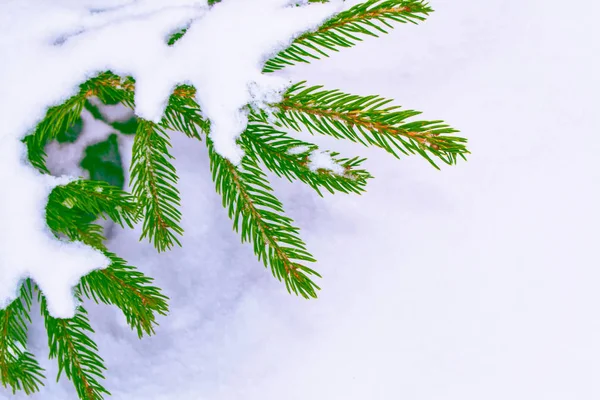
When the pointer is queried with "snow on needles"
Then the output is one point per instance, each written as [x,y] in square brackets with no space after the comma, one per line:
[49,47]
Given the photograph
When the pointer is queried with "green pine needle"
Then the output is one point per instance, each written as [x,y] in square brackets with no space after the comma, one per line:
[76,353]
[36,154]
[260,219]
[58,120]
[368,120]
[128,289]
[19,370]
[90,197]
[118,284]
[183,113]
[273,148]
[153,180]
[110,89]
[371,18]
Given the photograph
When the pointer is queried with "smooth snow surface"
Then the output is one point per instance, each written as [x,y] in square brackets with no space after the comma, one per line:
[477,282]
[48,48]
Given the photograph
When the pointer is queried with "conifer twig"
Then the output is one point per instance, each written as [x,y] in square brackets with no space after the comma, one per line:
[274,148]
[92,197]
[367,120]
[183,114]
[153,180]
[258,216]
[128,289]
[76,353]
[118,284]
[19,369]
[58,119]
[369,18]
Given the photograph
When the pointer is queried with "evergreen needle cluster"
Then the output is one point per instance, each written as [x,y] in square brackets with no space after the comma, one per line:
[257,215]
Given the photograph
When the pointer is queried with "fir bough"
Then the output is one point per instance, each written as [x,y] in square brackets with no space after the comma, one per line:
[257,215]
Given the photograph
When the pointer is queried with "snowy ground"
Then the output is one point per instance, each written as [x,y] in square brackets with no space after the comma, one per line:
[476,282]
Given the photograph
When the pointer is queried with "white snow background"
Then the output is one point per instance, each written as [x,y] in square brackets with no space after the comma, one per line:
[480,281]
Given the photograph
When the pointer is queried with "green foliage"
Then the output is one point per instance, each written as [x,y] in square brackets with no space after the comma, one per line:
[183,114]
[62,123]
[89,197]
[130,290]
[176,36]
[36,154]
[103,161]
[110,89]
[94,110]
[118,284]
[72,133]
[273,147]
[368,120]
[153,180]
[19,369]
[128,127]
[58,120]
[369,18]
[257,215]
[76,353]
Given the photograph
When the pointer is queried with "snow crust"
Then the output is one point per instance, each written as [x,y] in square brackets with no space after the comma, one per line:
[48,48]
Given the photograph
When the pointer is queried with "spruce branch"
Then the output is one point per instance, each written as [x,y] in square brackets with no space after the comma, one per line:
[153,177]
[58,119]
[77,225]
[92,197]
[110,89]
[70,216]
[153,180]
[130,290]
[36,154]
[76,354]
[367,120]
[274,147]
[107,86]
[183,114]
[118,284]
[19,369]
[370,18]
[260,219]
[175,36]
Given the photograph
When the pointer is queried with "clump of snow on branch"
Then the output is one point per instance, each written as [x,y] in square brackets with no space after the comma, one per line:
[323,160]
[49,47]
[299,150]
[318,159]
